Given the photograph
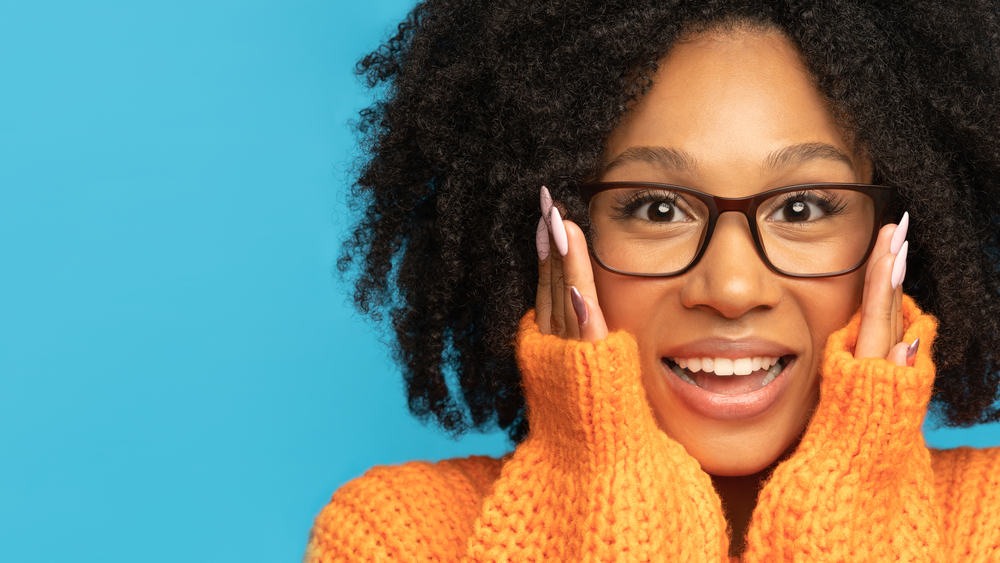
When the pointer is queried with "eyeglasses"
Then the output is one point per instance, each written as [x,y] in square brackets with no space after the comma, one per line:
[804,231]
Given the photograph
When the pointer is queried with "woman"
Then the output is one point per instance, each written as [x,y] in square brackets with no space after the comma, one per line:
[709,352]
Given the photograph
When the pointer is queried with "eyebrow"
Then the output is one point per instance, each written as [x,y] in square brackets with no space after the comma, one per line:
[680,161]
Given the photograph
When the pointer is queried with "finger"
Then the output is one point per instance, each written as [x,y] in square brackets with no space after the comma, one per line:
[874,338]
[586,313]
[896,247]
[898,271]
[889,240]
[883,243]
[897,309]
[898,354]
[557,234]
[543,294]
[881,248]
[894,313]
[881,323]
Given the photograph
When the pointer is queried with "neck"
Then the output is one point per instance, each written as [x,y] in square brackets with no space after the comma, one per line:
[739,497]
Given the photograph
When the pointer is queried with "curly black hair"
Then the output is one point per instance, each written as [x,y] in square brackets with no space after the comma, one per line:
[480,102]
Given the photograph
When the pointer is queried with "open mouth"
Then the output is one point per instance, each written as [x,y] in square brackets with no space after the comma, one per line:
[729,376]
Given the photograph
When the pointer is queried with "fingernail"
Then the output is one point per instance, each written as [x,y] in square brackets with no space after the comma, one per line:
[559,232]
[899,235]
[899,265]
[911,350]
[545,202]
[579,305]
[542,240]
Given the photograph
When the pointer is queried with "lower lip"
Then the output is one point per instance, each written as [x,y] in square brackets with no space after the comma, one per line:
[728,407]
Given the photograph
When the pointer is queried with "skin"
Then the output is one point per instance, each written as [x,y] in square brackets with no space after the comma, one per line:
[729,100]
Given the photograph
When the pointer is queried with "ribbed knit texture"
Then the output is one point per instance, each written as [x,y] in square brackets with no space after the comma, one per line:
[597,480]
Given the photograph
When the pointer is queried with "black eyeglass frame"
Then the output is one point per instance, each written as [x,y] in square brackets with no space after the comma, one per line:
[716,205]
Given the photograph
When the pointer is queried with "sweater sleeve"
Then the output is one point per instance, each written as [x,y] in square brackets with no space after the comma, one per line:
[860,485]
[595,480]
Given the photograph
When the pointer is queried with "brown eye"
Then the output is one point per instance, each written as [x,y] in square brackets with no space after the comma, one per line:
[804,207]
[660,211]
[795,210]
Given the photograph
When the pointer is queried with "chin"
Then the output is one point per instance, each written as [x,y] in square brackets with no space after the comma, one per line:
[740,457]
[735,468]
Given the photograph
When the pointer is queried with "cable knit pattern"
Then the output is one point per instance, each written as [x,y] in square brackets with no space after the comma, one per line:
[597,480]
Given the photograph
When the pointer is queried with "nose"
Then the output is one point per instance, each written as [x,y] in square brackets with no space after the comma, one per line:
[731,279]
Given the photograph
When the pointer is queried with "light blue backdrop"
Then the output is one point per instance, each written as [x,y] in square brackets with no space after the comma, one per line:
[181,377]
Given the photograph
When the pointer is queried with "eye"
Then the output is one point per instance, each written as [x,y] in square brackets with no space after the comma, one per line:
[649,207]
[661,211]
[656,208]
[802,207]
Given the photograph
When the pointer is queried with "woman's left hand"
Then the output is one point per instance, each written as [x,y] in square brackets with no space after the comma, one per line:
[881,328]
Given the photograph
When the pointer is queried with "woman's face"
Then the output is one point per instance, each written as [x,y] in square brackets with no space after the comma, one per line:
[727,102]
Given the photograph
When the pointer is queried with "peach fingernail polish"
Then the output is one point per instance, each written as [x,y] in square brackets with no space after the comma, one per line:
[542,240]
[545,202]
[579,305]
[559,232]
[899,235]
[899,265]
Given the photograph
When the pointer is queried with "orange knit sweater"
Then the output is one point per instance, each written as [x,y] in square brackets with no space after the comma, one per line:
[597,480]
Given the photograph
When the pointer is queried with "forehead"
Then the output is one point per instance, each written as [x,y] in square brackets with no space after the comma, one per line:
[729,102]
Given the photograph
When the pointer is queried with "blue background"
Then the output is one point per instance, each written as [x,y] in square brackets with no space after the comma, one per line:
[181,375]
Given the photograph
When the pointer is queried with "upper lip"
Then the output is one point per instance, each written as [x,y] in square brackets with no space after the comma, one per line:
[725,348]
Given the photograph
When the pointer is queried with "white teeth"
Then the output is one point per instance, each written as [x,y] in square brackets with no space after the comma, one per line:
[723,366]
[728,366]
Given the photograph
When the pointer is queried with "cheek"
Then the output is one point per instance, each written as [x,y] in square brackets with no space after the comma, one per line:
[619,305]
[632,304]
[829,305]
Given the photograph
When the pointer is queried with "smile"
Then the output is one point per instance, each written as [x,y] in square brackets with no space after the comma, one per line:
[729,388]
[748,374]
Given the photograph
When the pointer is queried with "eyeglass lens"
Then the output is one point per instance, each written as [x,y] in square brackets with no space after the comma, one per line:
[811,231]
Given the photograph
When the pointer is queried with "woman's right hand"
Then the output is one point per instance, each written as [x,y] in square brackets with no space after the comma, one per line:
[566,301]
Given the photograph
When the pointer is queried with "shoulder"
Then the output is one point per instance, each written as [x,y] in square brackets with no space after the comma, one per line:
[967,490]
[392,510]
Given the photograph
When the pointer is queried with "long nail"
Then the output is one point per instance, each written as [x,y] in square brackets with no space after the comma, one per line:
[899,265]
[899,235]
[559,232]
[545,202]
[911,351]
[579,305]
[542,240]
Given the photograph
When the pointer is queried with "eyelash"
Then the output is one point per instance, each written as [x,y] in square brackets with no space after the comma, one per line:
[626,206]
[829,204]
